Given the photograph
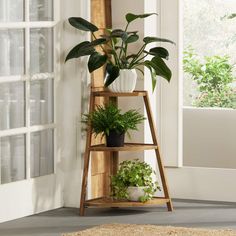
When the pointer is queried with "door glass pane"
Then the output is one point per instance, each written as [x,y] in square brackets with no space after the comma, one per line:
[12,156]
[11,10]
[41,50]
[41,10]
[12,106]
[41,102]
[12,52]
[42,153]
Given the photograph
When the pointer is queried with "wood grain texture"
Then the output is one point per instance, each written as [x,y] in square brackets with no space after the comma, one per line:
[100,162]
[101,178]
[111,94]
[157,151]
[109,202]
[100,182]
[132,147]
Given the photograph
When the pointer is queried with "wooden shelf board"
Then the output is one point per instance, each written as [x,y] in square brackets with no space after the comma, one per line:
[127,147]
[112,94]
[109,202]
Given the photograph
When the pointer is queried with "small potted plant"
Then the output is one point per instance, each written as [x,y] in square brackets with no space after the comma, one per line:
[114,53]
[133,182]
[108,121]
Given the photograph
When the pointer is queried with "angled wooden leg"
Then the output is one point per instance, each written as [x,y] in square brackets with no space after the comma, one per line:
[86,160]
[158,156]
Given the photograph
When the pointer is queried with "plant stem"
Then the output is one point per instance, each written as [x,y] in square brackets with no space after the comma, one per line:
[138,55]
[137,61]
[115,55]
[122,44]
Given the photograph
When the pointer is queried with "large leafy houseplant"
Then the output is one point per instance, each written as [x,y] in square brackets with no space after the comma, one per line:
[109,121]
[111,50]
[134,174]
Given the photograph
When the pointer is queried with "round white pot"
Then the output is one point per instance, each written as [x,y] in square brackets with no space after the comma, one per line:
[125,83]
[135,193]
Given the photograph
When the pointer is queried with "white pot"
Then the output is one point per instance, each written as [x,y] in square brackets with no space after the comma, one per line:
[135,193]
[125,83]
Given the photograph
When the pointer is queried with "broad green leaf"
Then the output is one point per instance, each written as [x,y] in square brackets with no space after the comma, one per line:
[132,38]
[147,40]
[160,52]
[118,33]
[98,42]
[112,73]
[82,24]
[131,17]
[154,79]
[161,68]
[82,49]
[153,74]
[96,60]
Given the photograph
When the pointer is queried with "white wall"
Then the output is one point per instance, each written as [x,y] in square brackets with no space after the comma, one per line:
[209,136]
[72,99]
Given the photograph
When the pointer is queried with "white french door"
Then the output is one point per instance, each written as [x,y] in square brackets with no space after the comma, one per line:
[203,182]
[28,74]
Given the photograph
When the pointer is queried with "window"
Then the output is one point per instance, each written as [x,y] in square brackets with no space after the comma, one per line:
[209,110]
[27,67]
[209,53]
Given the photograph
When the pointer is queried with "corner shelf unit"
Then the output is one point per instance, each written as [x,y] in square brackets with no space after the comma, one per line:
[131,147]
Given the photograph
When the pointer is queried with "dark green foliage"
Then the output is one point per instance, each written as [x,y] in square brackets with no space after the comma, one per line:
[115,50]
[80,50]
[109,117]
[96,60]
[82,24]
[131,17]
[214,77]
[134,173]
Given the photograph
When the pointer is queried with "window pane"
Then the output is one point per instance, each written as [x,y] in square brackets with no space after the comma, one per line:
[41,102]
[12,105]
[209,115]
[42,153]
[11,10]
[12,156]
[41,10]
[41,51]
[12,52]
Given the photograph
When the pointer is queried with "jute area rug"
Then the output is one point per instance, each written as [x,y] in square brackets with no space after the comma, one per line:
[148,230]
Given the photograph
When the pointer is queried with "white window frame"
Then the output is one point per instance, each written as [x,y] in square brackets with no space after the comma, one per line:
[55,76]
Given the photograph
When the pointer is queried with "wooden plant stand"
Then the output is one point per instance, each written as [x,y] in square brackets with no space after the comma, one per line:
[107,201]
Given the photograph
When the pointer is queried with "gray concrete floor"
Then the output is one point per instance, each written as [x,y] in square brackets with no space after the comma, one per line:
[186,213]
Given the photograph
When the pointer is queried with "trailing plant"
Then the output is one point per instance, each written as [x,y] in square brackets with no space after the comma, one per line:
[108,117]
[214,78]
[134,173]
[111,50]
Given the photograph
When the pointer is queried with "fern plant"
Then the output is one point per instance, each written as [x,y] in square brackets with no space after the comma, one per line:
[107,118]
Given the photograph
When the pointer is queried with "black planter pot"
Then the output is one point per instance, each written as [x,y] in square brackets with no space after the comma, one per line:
[115,139]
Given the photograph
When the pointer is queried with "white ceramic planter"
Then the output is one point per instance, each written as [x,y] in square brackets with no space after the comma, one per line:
[135,193]
[125,83]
